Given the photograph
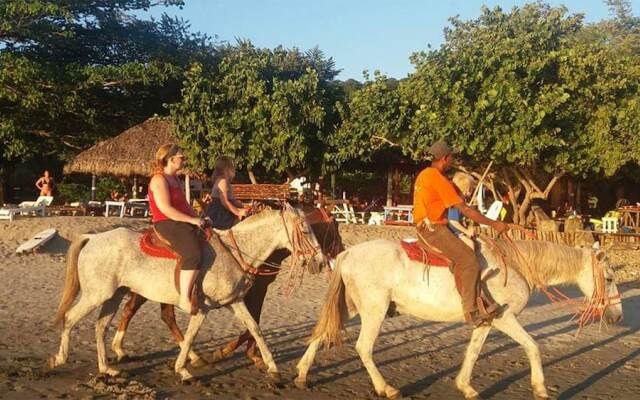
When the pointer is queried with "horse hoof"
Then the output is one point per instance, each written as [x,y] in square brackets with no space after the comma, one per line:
[218,355]
[50,363]
[123,359]
[393,393]
[275,380]
[199,363]
[301,383]
[260,365]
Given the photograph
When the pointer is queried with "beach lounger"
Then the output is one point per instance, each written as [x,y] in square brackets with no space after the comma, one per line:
[37,207]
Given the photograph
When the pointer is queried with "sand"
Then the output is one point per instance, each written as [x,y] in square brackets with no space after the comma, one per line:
[421,358]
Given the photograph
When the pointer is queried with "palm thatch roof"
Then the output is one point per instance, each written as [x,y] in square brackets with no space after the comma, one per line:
[129,154]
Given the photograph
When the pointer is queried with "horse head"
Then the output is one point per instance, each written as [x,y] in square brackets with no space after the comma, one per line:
[597,282]
[325,227]
[302,242]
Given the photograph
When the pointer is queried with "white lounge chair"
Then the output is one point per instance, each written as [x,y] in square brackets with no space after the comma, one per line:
[27,208]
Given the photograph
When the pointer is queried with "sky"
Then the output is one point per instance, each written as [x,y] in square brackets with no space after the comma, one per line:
[358,34]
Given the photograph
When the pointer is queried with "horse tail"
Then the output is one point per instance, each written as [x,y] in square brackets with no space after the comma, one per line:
[334,311]
[71,282]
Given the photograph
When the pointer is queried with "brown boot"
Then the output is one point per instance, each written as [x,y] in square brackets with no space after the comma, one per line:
[476,319]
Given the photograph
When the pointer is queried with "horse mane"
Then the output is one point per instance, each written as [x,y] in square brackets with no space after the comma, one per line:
[540,261]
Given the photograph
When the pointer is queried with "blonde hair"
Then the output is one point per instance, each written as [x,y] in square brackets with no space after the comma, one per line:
[164,153]
[464,182]
[223,163]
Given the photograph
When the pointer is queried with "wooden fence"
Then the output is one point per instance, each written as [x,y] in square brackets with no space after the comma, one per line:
[263,191]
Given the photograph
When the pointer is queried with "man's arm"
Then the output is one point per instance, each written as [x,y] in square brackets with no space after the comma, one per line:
[477,217]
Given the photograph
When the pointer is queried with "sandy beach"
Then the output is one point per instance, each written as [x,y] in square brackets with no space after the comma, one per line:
[421,358]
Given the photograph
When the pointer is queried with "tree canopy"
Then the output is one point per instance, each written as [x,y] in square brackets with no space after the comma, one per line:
[76,71]
[269,109]
[522,89]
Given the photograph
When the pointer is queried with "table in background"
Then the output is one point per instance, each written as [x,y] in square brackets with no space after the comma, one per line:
[403,214]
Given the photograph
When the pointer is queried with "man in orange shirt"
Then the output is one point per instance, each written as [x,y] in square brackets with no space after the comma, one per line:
[433,194]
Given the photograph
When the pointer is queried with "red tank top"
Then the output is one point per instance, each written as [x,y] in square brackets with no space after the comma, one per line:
[177,199]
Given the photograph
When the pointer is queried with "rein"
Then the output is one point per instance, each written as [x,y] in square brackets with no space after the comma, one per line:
[300,244]
[302,247]
[589,309]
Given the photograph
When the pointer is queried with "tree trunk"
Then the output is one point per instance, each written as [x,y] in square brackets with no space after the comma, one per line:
[333,185]
[252,177]
[2,184]
[390,187]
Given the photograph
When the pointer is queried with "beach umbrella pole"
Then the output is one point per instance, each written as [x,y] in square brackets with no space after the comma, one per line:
[93,187]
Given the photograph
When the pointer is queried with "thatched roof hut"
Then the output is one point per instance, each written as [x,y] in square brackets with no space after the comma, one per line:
[129,154]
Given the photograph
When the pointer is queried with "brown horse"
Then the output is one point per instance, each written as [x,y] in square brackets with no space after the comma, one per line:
[325,229]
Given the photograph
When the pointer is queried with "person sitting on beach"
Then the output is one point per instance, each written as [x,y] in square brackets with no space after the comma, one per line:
[224,211]
[45,184]
[116,196]
[174,220]
[463,184]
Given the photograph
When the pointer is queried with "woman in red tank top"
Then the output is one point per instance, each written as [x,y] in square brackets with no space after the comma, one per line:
[174,219]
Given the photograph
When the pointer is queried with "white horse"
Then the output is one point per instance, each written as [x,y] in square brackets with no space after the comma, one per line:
[105,266]
[371,275]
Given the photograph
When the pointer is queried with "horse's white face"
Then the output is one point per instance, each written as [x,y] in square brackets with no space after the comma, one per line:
[612,312]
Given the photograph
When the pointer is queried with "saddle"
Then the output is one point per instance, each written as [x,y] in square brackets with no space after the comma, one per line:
[416,252]
[153,245]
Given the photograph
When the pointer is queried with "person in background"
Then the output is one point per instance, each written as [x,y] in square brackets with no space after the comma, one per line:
[45,184]
[174,220]
[224,210]
[464,185]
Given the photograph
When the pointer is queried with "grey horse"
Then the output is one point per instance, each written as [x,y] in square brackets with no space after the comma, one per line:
[104,267]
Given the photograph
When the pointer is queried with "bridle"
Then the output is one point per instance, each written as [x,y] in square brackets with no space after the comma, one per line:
[590,309]
[301,246]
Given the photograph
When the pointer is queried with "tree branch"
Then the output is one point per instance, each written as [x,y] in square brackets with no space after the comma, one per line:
[385,140]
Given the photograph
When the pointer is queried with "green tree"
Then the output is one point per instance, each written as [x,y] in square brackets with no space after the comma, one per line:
[73,72]
[269,109]
[518,89]
[374,118]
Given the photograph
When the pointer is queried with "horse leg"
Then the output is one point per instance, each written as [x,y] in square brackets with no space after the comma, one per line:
[305,363]
[510,326]
[224,352]
[463,380]
[108,310]
[254,303]
[185,345]
[78,311]
[241,312]
[167,313]
[369,330]
[130,309]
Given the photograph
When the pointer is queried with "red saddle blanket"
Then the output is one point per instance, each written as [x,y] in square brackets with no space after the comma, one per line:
[415,252]
[149,246]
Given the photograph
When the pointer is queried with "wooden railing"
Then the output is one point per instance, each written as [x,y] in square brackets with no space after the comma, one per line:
[575,238]
[262,191]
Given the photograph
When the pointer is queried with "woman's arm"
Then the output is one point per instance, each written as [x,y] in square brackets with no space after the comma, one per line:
[39,183]
[223,185]
[160,189]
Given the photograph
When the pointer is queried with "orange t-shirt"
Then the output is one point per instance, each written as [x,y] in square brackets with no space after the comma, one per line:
[433,193]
